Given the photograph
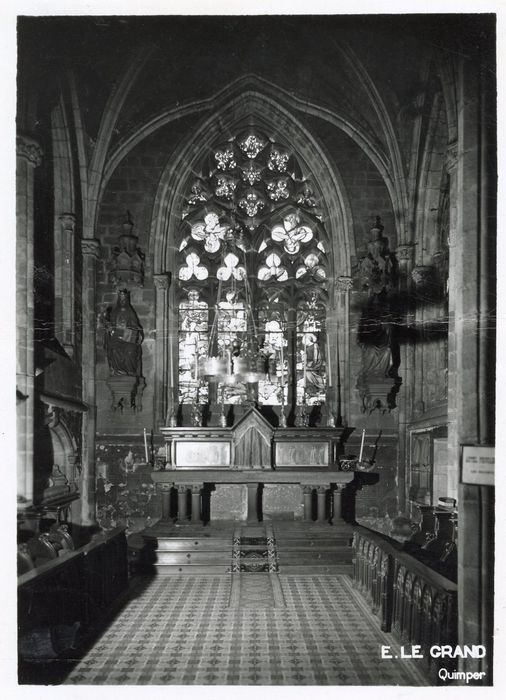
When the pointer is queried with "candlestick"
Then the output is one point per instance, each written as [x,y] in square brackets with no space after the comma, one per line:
[166,453]
[172,379]
[146,445]
[282,366]
[152,447]
[362,445]
[303,362]
[329,371]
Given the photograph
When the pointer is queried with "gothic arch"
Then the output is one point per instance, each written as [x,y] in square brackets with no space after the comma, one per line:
[235,90]
[278,122]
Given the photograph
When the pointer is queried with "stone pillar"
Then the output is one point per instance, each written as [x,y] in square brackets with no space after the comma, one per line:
[29,156]
[308,502]
[405,258]
[321,493]
[182,495]
[471,394]
[337,501]
[252,502]
[453,439]
[65,283]
[342,309]
[161,372]
[90,249]
[165,490]
[195,514]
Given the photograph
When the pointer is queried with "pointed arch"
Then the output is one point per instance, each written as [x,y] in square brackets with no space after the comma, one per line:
[280,123]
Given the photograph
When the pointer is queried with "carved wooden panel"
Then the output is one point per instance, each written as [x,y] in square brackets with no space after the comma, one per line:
[302,454]
[252,438]
[202,453]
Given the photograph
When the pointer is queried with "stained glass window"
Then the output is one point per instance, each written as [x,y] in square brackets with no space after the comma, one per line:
[311,361]
[273,390]
[193,345]
[231,330]
[252,244]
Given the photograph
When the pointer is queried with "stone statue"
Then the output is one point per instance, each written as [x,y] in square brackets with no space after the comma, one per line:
[124,336]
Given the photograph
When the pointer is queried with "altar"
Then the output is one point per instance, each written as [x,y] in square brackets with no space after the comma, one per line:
[253,471]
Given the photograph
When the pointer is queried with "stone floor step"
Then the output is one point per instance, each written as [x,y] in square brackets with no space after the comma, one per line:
[175,569]
[316,570]
[211,545]
[179,558]
[312,544]
[337,554]
[180,548]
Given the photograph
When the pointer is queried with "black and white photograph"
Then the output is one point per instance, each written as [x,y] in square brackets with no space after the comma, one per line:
[255,300]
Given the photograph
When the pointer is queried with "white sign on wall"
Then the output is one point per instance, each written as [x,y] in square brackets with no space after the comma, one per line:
[478,465]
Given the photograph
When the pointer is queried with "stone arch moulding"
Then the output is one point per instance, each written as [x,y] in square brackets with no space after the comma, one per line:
[64,449]
[432,170]
[279,123]
[268,115]
[279,96]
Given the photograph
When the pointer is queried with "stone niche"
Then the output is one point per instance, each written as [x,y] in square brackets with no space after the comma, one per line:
[282,502]
[229,502]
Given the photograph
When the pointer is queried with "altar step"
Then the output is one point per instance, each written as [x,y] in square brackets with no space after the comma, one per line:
[186,548]
[314,548]
[276,547]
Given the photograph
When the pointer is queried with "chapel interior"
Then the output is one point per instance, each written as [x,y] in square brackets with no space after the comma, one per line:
[255,302]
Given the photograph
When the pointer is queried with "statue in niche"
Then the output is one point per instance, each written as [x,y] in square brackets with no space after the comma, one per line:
[124,336]
[378,348]
[378,328]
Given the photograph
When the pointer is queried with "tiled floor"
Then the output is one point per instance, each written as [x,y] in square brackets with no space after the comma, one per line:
[247,629]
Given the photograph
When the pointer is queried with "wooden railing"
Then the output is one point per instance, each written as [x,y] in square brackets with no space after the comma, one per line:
[415,603]
[62,601]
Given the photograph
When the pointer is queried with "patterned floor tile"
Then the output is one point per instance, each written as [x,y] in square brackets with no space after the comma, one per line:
[244,629]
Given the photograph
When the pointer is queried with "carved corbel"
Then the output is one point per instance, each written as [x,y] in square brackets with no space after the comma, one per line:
[423,275]
[29,149]
[90,247]
[162,281]
[68,222]
[344,284]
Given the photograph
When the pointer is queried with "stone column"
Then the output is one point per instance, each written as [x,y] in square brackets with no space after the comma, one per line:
[405,258]
[337,500]
[342,309]
[453,285]
[161,372]
[29,156]
[182,494]
[165,490]
[65,283]
[308,502]
[471,394]
[252,502]
[321,493]
[195,514]
[91,250]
